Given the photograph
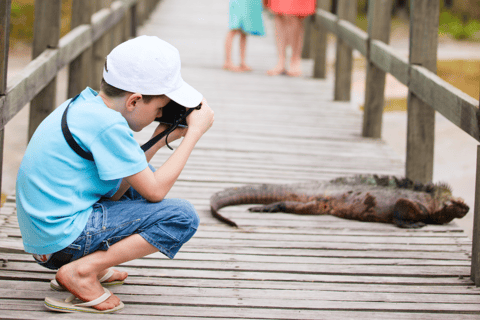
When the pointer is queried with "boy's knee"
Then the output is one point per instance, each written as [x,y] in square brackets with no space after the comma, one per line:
[189,214]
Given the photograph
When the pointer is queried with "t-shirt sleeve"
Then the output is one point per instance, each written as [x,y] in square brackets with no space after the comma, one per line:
[117,154]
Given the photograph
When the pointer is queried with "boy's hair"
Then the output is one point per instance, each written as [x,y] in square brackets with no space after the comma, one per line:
[113,92]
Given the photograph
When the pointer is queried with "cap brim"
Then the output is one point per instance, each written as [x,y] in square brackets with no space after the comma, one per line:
[186,96]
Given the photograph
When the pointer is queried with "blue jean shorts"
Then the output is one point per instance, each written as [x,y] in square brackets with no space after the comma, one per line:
[167,225]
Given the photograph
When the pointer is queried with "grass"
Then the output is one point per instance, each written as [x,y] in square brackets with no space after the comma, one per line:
[22,20]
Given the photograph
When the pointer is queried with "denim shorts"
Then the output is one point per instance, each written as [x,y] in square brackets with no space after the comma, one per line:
[167,225]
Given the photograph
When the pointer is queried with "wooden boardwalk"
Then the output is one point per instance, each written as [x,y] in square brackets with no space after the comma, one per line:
[275,266]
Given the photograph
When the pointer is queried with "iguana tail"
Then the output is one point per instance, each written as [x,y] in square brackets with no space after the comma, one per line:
[252,194]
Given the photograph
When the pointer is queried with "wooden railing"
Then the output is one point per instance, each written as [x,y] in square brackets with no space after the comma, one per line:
[97,26]
[427,92]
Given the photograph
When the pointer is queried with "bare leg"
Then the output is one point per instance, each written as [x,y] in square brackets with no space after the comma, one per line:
[80,277]
[228,65]
[243,49]
[281,41]
[296,41]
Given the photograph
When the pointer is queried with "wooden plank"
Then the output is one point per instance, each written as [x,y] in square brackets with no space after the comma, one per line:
[5,8]
[475,270]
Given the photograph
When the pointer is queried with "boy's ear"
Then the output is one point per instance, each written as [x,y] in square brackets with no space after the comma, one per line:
[132,100]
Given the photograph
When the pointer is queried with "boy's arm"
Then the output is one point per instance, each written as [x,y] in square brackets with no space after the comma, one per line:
[154,186]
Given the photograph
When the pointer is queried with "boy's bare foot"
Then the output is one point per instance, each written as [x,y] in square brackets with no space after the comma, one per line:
[84,285]
[245,68]
[232,67]
[276,71]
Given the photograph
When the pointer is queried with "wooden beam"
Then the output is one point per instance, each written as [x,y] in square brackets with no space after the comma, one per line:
[319,43]
[384,57]
[5,8]
[475,268]
[344,60]
[379,20]
[424,15]
[80,67]
[46,34]
[451,102]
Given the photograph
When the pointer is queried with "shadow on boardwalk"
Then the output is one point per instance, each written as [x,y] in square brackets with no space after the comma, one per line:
[278,266]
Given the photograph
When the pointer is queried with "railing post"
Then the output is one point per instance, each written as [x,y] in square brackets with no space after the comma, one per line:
[424,15]
[379,20]
[80,68]
[46,33]
[319,43]
[343,63]
[307,38]
[5,7]
[475,268]
[101,48]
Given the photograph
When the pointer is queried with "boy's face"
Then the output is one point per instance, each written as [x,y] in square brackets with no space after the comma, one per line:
[140,114]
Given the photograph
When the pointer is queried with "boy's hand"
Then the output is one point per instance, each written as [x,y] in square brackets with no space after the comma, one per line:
[199,121]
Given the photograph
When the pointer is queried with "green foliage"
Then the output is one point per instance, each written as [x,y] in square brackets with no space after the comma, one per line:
[460,29]
[21,21]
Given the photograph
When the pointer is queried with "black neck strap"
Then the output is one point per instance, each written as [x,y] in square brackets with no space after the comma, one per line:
[88,156]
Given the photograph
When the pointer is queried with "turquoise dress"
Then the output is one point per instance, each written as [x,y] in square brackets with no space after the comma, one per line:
[246,15]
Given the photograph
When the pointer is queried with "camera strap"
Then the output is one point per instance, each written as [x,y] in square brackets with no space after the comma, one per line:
[166,132]
[88,156]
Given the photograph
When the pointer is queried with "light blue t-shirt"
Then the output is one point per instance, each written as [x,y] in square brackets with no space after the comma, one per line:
[56,188]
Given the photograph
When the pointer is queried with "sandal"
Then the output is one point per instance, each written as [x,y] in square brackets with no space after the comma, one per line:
[67,305]
[57,287]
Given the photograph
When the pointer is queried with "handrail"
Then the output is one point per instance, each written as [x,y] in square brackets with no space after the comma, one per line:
[455,105]
[427,91]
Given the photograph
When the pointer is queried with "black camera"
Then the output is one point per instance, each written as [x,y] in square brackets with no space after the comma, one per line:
[172,113]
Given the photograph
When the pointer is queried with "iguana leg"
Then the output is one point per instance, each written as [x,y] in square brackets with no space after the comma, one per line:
[296,207]
[406,214]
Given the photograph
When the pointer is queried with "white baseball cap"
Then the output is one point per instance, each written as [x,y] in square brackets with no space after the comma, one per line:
[150,66]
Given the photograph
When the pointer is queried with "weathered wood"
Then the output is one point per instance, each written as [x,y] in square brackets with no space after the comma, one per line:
[344,60]
[5,8]
[307,38]
[421,117]
[319,43]
[385,58]
[80,68]
[475,270]
[46,34]
[451,102]
[379,16]
[39,72]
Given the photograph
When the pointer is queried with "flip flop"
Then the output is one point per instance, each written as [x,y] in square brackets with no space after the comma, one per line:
[57,287]
[68,304]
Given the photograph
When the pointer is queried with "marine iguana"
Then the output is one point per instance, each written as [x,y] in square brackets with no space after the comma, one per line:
[369,198]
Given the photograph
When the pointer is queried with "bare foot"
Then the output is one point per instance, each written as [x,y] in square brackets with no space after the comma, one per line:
[84,285]
[232,67]
[295,69]
[276,71]
[245,68]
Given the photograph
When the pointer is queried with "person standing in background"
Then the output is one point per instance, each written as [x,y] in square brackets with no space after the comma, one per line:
[289,31]
[245,17]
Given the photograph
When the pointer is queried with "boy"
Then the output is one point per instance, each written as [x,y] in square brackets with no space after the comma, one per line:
[80,216]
